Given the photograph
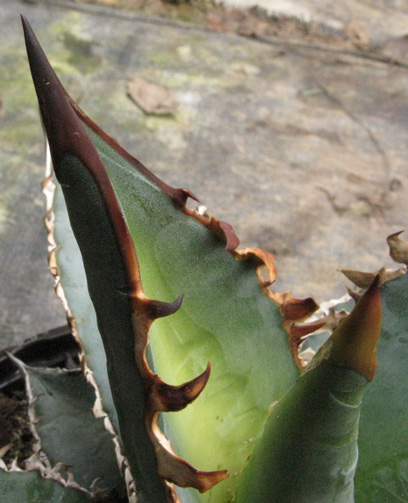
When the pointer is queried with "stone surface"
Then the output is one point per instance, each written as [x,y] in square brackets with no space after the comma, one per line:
[380,19]
[302,149]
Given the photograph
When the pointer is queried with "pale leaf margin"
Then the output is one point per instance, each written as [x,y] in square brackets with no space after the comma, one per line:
[48,188]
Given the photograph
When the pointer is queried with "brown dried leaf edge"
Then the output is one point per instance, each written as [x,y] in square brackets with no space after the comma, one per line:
[327,318]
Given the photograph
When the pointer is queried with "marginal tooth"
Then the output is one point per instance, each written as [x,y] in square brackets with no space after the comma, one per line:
[297,309]
[364,279]
[230,236]
[180,196]
[295,342]
[264,262]
[181,473]
[223,230]
[158,309]
[166,398]
[187,476]
[297,332]
[354,295]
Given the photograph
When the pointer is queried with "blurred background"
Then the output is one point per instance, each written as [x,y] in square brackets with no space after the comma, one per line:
[288,120]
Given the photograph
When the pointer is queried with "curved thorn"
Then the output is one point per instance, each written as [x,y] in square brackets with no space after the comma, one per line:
[180,196]
[181,473]
[158,309]
[187,476]
[166,398]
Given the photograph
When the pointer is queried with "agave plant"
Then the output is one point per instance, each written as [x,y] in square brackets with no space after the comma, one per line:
[197,369]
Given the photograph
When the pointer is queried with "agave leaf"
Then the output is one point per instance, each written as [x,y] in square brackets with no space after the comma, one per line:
[62,404]
[67,266]
[308,452]
[382,473]
[30,487]
[226,317]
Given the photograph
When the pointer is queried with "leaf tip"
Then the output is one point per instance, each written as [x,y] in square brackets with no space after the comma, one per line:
[354,342]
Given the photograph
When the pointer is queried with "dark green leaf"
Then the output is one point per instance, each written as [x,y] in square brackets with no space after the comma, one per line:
[30,487]
[69,431]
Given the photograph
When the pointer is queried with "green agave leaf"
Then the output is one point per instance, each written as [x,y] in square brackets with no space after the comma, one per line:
[226,317]
[62,402]
[382,473]
[308,452]
[30,487]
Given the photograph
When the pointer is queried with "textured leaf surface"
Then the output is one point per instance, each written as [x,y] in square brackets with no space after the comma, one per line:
[30,487]
[225,317]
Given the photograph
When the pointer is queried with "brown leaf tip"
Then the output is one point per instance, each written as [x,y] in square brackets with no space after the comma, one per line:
[354,343]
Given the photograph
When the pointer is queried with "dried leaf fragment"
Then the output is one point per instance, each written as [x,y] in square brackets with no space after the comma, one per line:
[364,279]
[151,98]
[398,248]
